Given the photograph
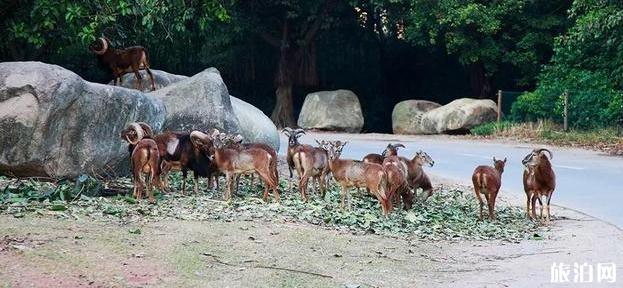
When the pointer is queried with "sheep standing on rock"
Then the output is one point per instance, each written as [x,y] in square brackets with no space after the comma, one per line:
[122,61]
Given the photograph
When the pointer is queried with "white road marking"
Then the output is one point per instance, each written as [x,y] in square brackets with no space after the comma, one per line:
[474,155]
[569,167]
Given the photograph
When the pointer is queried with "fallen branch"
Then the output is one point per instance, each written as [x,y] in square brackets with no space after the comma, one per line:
[217,260]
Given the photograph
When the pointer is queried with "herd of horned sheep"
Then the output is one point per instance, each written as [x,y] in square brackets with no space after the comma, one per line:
[390,178]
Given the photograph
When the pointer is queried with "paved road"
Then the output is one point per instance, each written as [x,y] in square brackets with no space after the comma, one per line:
[587,181]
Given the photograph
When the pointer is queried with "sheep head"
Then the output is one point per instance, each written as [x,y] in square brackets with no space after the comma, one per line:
[499,164]
[536,156]
[133,133]
[293,135]
[422,158]
[392,149]
[99,46]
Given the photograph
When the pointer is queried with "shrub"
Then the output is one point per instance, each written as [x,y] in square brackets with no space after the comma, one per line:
[490,128]
[594,102]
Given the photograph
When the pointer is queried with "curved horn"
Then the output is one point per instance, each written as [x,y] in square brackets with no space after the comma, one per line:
[196,137]
[287,131]
[139,133]
[299,131]
[104,46]
[146,128]
[399,145]
[551,155]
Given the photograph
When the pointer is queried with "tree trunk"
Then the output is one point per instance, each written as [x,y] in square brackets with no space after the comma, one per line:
[282,114]
[479,81]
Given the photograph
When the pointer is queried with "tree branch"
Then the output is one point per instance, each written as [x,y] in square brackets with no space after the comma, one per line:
[313,30]
[270,39]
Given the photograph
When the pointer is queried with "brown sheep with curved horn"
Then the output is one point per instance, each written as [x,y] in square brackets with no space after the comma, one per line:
[390,150]
[539,181]
[122,61]
[293,145]
[145,160]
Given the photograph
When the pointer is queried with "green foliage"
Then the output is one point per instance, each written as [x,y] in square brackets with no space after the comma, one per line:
[588,63]
[27,190]
[491,33]
[490,128]
[449,214]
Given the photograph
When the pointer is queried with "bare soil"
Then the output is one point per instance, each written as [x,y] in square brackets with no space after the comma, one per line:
[43,251]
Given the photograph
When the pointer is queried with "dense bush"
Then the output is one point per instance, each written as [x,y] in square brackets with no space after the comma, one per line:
[594,101]
[587,63]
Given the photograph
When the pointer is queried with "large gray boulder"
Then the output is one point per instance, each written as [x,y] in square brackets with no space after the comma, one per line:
[252,123]
[337,110]
[255,126]
[458,115]
[55,124]
[161,79]
[199,102]
[407,115]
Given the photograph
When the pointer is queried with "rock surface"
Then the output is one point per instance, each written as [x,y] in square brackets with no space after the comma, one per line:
[457,116]
[337,110]
[55,124]
[200,102]
[255,126]
[252,123]
[161,79]
[407,115]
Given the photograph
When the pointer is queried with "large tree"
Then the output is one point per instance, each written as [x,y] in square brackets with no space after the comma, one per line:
[291,28]
[588,65]
[485,34]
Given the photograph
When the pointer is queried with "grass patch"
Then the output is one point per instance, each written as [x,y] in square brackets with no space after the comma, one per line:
[605,139]
[449,214]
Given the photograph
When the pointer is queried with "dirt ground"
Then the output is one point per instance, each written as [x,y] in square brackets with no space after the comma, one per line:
[49,251]
[40,251]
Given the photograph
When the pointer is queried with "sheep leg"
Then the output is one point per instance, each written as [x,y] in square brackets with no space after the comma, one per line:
[150,192]
[268,182]
[151,77]
[237,184]
[533,206]
[290,181]
[184,174]
[342,195]
[528,206]
[141,187]
[491,205]
[227,193]
[303,185]
[549,197]
[196,182]
[477,190]
[322,184]
[139,78]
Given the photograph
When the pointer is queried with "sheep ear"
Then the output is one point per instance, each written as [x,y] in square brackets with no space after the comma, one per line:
[504,159]
[494,159]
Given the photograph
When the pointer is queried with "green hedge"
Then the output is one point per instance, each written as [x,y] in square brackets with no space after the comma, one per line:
[594,101]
